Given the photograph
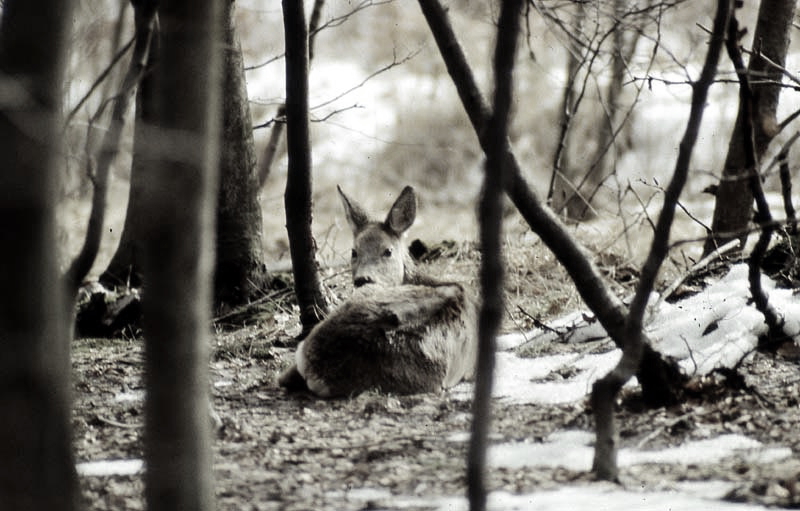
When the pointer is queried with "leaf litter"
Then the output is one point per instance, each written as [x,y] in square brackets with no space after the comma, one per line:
[732,444]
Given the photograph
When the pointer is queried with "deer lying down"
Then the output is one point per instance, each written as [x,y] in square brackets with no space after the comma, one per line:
[400,332]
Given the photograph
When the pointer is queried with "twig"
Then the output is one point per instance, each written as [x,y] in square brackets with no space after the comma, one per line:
[718,253]
[117,424]
[644,441]
[387,67]
[313,29]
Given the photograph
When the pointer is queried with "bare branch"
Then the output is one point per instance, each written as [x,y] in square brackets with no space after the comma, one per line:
[314,28]
[100,79]
[394,63]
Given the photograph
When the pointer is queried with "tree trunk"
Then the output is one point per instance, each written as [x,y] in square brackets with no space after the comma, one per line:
[37,470]
[733,209]
[297,198]
[178,199]
[125,267]
[491,272]
[240,273]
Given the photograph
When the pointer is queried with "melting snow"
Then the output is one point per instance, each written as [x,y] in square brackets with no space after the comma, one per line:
[715,328]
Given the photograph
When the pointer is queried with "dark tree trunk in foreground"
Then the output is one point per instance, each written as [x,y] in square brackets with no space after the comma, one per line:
[491,273]
[37,470]
[125,267]
[605,390]
[178,200]
[733,209]
[240,272]
[297,198]
[659,377]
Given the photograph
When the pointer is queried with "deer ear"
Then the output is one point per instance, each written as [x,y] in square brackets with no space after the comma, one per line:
[403,212]
[356,216]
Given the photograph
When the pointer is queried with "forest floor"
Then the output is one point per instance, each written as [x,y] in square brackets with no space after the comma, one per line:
[274,450]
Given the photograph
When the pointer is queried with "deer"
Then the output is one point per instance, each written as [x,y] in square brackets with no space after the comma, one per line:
[401,332]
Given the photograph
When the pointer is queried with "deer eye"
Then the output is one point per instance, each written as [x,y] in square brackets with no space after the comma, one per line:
[354,254]
[387,252]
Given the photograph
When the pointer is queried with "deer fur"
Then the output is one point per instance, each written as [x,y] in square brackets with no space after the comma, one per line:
[401,332]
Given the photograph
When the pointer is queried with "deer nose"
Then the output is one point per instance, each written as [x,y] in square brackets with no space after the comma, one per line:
[360,281]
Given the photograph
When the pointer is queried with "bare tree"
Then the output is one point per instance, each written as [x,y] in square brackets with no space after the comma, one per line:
[605,389]
[733,208]
[178,200]
[660,378]
[302,246]
[37,470]
[491,274]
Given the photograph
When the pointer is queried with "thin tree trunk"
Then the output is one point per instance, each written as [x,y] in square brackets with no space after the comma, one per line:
[240,271]
[605,390]
[297,198]
[561,190]
[37,471]
[178,201]
[491,273]
[733,208]
[659,377]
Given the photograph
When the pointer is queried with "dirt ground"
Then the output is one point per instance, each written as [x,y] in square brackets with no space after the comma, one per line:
[279,451]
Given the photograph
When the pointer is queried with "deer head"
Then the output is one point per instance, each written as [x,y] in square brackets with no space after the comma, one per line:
[379,256]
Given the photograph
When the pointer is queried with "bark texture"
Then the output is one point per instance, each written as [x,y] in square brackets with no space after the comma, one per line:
[240,271]
[37,469]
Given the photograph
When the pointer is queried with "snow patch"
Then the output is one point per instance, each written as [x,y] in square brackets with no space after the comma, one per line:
[574,450]
[105,468]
